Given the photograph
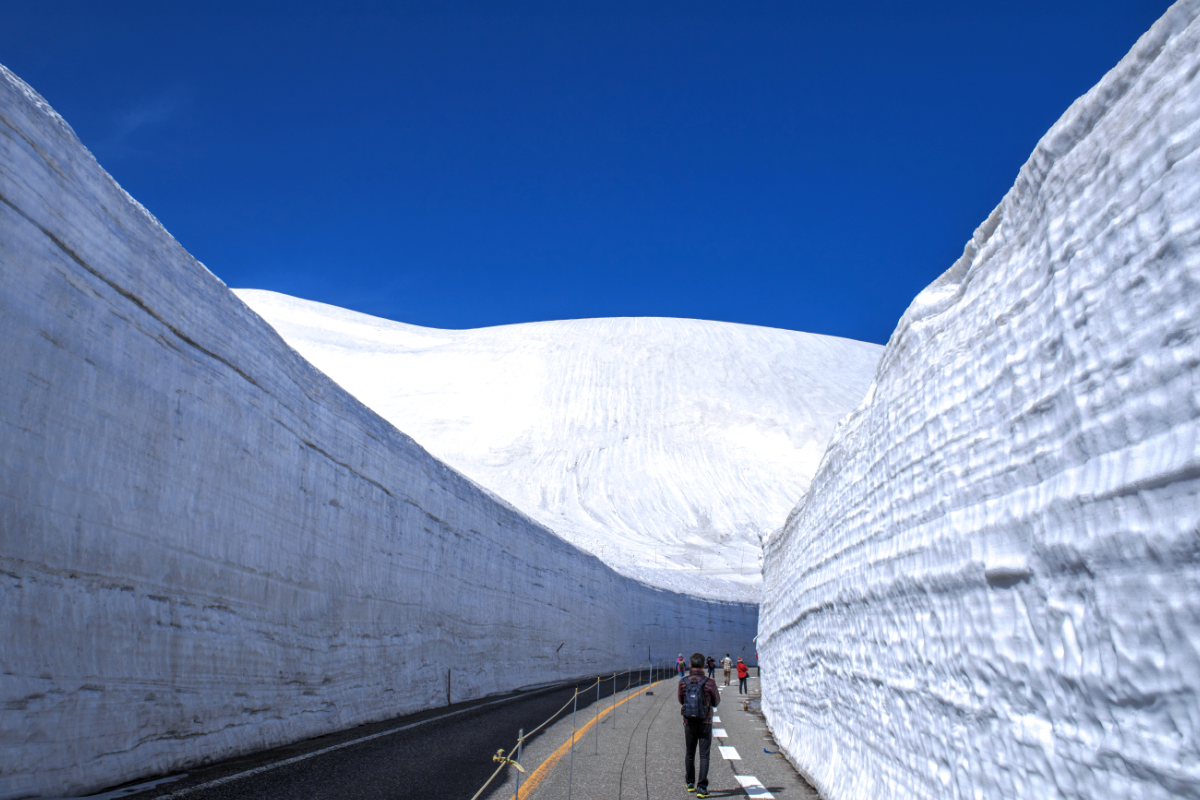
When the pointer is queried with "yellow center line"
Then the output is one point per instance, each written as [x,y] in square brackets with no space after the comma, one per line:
[539,774]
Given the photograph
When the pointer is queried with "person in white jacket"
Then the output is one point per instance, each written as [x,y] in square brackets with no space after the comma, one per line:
[726,666]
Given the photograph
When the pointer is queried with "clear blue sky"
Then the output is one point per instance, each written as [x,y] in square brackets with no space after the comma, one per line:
[457,164]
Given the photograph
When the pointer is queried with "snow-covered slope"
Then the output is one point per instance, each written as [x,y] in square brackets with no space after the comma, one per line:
[992,589]
[208,547]
[668,447]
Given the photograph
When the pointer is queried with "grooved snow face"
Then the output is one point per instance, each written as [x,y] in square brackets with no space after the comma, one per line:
[992,590]
[670,448]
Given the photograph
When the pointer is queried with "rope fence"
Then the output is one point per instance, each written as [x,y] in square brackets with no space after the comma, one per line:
[653,672]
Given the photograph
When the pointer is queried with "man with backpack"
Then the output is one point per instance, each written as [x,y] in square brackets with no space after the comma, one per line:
[698,696]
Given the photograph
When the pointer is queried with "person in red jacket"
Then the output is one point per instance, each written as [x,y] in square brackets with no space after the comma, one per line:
[743,673]
[697,730]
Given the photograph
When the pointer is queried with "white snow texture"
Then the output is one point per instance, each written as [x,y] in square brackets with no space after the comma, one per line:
[670,448]
[992,589]
[207,547]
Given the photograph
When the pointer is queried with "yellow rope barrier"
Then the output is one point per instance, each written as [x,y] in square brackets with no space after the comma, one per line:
[551,719]
[540,773]
[543,771]
[489,780]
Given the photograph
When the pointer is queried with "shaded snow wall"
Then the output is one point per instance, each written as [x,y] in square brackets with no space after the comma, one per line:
[992,589]
[207,547]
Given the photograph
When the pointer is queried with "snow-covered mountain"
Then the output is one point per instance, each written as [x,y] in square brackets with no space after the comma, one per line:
[668,447]
[992,589]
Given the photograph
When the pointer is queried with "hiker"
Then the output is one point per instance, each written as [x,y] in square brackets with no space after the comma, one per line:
[743,673]
[726,665]
[698,696]
[679,665]
[711,663]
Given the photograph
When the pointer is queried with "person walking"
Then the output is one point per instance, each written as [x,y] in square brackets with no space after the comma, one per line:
[679,665]
[743,673]
[726,665]
[711,663]
[698,696]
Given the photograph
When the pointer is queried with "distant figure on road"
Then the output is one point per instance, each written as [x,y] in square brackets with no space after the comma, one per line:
[743,673]
[679,665]
[726,665]
[712,667]
[698,696]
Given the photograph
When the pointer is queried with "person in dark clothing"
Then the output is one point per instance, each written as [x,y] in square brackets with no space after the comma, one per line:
[698,732]
[712,667]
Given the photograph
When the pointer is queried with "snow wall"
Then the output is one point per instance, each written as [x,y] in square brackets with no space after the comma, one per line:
[992,589]
[207,547]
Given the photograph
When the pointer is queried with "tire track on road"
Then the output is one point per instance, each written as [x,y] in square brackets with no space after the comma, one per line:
[629,748]
[646,751]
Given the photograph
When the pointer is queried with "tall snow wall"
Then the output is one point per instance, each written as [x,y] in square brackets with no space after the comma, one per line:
[207,547]
[992,589]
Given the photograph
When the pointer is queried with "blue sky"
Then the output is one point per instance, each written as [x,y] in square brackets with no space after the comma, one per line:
[457,164]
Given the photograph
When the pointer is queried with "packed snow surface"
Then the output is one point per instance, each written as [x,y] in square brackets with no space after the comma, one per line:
[992,589]
[670,448]
[209,547]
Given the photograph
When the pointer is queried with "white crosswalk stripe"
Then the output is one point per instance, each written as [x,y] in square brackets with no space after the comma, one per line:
[720,733]
[729,753]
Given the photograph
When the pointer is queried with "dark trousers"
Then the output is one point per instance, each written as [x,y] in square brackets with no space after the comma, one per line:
[697,733]
[742,685]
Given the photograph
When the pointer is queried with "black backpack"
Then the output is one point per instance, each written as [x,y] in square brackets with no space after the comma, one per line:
[695,699]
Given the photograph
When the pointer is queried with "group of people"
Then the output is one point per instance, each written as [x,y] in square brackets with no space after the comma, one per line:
[743,671]
[698,696]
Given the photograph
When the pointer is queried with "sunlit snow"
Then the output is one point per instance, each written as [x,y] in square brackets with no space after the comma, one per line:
[668,447]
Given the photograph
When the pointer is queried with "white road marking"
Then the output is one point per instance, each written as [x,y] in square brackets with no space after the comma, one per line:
[720,733]
[716,718]
[729,753]
[753,787]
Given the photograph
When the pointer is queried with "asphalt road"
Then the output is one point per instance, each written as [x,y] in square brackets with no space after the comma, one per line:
[629,746]
[639,755]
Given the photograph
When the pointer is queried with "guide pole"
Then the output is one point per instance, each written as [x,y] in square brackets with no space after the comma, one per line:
[597,722]
[614,699]
[571,769]
[520,742]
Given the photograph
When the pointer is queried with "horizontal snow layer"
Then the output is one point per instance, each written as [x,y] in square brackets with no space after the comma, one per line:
[208,547]
[668,447]
[993,587]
